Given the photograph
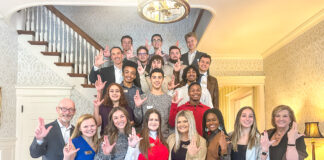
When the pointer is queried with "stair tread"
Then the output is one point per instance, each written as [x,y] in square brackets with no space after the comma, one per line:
[64,64]
[88,85]
[51,53]
[77,75]
[26,32]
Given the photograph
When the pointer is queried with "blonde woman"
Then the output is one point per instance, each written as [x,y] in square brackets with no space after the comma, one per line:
[84,138]
[186,143]
[245,138]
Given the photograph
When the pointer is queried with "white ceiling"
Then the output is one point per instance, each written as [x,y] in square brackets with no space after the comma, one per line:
[239,28]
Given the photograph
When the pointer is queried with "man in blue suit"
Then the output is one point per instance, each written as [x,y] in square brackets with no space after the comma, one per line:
[50,139]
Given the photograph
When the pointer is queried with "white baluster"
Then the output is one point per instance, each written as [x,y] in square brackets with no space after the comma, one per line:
[84,48]
[46,17]
[28,19]
[54,33]
[41,21]
[75,54]
[80,53]
[59,34]
[69,44]
[32,19]
[50,31]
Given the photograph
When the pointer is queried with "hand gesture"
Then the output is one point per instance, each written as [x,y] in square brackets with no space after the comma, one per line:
[99,84]
[192,147]
[137,99]
[175,98]
[140,68]
[129,53]
[177,43]
[177,66]
[106,147]
[159,52]
[106,52]
[97,102]
[293,134]
[265,143]
[69,151]
[41,131]
[133,139]
[148,47]
[171,84]
[99,60]
[222,141]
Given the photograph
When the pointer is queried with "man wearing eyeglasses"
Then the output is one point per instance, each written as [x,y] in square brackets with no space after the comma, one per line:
[50,139]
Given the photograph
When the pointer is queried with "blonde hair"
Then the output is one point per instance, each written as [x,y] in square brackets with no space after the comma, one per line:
[254,135]
[77,132]
[279,109]
[192,128]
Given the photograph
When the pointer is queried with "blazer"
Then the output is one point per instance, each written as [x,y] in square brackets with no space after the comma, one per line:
[201,142]
[185,60]
[52,146]
[212,86]
[106,74]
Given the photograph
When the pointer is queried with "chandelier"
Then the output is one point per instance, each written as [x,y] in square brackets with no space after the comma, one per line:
[163,11]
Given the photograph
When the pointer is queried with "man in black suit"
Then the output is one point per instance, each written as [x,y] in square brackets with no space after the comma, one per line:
[192,56]
[50,139]
[110,74]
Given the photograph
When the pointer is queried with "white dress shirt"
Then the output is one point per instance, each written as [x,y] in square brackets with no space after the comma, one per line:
[203,80]
[118,75]
[191,57]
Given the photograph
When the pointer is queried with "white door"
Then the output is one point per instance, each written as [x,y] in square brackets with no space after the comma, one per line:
[34,102]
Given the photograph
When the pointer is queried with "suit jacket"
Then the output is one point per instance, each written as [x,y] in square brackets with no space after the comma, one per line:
[212,86]
[185,60]
[106,74]
[52,146]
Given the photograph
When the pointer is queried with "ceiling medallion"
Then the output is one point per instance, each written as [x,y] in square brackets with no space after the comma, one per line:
[163,11]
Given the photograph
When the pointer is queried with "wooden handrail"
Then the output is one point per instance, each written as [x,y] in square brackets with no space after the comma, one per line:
[74,26]
[198,20]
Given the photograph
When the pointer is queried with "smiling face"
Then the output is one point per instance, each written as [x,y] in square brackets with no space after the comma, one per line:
[116,56]
[153,122]
[247,118]
[88,128]
[195,92]
[191,43]
[203,64]
[212,122]
[126,44]
[65,111]
[182,125]
[114,93]
[142,56]
[156,80]
[129,74]
[156,64]
[191,75]
[119,120]
[282,119]
[156,42]
[175,54]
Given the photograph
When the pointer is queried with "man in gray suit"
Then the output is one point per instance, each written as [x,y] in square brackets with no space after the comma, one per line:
[50,139]
[192,56]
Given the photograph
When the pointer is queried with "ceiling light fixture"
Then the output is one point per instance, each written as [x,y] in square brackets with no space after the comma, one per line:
[163,11]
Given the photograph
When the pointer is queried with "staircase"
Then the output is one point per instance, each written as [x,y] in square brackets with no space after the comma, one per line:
[62,39]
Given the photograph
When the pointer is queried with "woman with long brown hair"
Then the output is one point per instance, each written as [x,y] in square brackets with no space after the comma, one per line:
[114,97]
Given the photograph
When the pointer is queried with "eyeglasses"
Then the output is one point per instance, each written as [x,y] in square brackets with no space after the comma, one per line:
[65,109]
[142,53]
[156,40]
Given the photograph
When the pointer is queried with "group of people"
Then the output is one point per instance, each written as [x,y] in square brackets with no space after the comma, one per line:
[161,106]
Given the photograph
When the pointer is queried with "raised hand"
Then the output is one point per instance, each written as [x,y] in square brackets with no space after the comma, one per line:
[99,84]
[69,151]
[171,84]
[177,66]
[129,53]
[97,102]
[293,134]
[133,139]
[159,52]
[41,131]
[106,147]
[192,147]
[175,98]
[148,47]
[265,142]
[106,52]
[177,43]
[140,68]
[99,60]
[137,99]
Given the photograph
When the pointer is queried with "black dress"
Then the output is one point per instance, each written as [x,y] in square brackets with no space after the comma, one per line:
[240,154]
[182,151]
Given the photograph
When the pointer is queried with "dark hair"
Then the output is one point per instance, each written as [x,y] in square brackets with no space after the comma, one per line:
[157,70]
[128,63]
[205,56]
[145,133]
[122,100]
[142,47]
[111,130]
[220,118]
[190,34]
[156,35]
[126,36]
[117,48]
[174,47]
[192,84]
[186,70]
[154,57]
